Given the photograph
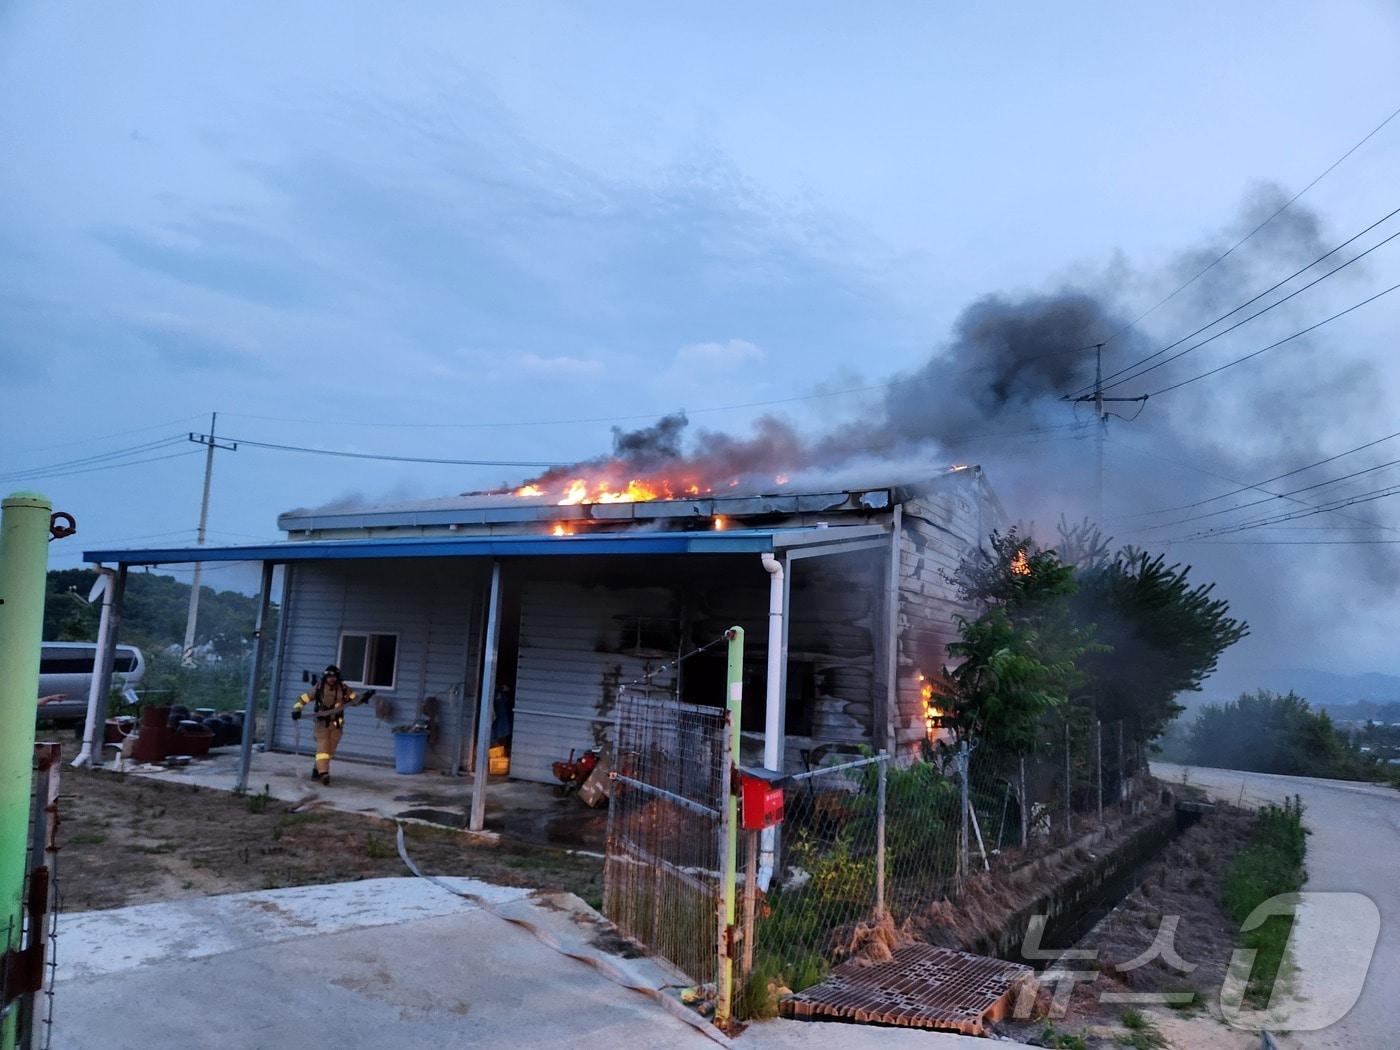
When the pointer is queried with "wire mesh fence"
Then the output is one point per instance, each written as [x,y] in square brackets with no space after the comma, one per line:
[30,939]
[663,870]
[866,845]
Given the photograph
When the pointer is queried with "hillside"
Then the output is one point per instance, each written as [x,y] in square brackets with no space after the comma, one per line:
[154,612]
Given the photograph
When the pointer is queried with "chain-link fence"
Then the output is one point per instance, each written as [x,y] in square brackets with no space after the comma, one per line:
[29,962]
[866,845]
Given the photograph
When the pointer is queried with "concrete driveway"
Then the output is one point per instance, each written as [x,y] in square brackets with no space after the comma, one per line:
[1354,847]
[385,962]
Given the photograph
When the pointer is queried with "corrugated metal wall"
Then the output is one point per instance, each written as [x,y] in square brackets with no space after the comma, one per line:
[569,668]
[435,608]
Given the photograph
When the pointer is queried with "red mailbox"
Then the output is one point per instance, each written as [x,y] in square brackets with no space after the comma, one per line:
[761,799]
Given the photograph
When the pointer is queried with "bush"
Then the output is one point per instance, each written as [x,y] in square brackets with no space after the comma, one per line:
[1271,864]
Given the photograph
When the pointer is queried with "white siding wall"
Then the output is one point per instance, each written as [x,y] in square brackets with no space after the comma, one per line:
[941,528]
[434,606]
[569,669]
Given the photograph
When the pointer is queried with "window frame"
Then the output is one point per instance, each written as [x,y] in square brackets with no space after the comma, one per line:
[368,635]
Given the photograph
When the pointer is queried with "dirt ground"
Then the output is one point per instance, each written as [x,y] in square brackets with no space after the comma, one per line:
[1185,881]
[132,840]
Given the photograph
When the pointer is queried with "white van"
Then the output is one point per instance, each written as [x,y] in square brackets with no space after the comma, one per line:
[65,673]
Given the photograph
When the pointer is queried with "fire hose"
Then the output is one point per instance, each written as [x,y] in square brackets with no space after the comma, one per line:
[613,973]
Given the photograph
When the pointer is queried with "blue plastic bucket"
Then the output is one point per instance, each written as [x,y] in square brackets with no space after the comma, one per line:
[410,752]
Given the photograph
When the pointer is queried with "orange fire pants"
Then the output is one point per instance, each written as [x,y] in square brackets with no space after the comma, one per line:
[327,740]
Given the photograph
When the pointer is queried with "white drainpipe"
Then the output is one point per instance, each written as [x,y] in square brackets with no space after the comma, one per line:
[773,717]
[97,692]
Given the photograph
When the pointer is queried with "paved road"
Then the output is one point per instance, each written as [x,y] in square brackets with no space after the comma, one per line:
[1354,847]
[381,963]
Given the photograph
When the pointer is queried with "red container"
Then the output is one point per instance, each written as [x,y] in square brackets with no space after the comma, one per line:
[153,744]
[155,716]
[761,801]
[193,742]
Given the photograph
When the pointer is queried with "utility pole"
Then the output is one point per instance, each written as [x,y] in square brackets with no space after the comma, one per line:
[1102,415]
[192,618]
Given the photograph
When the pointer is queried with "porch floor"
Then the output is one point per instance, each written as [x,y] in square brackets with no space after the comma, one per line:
[515,809]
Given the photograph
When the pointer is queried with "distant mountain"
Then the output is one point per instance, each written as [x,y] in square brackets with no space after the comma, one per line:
[154,612]
[1320,688]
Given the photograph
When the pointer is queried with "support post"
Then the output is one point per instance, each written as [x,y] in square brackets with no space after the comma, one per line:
[1098,755]
[887,712]
[882,765]
[729,826]
[1122,780]
[964,845]
[1069,786]
[97,688]
[1025,806]
[250,704]
[24,558]
[750,903]
[485,700]
[279,651]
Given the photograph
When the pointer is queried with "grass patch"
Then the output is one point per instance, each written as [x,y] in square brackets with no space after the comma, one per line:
[1062,1040]
[287,821]
[1142,1034]
[258,803]
[1271,864]
[376,848]
[87,839]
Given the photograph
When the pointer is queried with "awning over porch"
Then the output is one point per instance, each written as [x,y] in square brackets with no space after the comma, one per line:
[736,541]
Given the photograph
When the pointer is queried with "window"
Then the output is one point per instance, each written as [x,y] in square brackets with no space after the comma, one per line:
[369,659]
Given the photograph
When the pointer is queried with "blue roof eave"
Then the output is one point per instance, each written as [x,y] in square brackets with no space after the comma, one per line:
[748,541]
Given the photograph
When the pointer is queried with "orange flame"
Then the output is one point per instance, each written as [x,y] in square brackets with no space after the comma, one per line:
[1020,564]
[525,491]
[721,523]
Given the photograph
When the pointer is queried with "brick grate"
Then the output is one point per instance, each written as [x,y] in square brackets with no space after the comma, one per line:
[920,987]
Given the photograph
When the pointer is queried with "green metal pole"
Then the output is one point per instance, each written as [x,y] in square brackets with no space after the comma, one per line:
[24,559]
[729,822]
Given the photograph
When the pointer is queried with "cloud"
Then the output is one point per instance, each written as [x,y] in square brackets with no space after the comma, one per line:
[562,368]
[733,353]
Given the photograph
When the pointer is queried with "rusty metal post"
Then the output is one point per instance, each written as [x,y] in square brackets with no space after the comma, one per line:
[964,850]
[750,904]
[729,827]
[1098,752]
[1122,779]
[882,763]
[1025,806]
[1069,785]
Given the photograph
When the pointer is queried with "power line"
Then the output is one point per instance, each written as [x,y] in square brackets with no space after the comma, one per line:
[111,466]
[85,460]
[103,437]
[1251,302]
[1266,481]
[1350,501]
[1244,321]
[1230,250]
[393,458]
[1272,346]
[888,384]
[1273,496]
[1236,481]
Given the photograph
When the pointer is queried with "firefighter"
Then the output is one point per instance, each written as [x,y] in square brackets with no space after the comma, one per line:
[329,698]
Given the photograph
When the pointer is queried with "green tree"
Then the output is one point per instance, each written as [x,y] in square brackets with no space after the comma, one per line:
[1018,661]
[1267,732]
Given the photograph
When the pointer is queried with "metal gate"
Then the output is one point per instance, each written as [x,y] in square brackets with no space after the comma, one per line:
[663,881]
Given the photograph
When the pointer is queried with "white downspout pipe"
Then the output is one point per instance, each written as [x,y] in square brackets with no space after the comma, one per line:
[101,683]
[773,742]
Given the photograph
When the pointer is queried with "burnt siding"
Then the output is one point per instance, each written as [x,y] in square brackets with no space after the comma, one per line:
[434,607]
[570,666]
[836,619]
[939,531]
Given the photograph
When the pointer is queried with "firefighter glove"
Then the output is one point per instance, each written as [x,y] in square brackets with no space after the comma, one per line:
[296,714]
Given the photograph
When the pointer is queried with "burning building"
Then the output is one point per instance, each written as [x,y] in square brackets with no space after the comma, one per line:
[568,588]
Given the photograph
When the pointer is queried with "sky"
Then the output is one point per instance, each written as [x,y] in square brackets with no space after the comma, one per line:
[495,231]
